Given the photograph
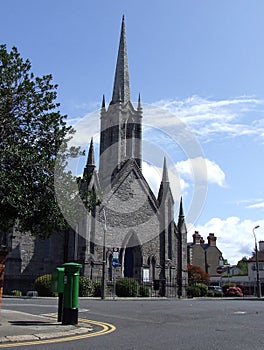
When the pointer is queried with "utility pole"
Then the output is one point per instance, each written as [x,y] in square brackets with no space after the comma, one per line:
[257,264]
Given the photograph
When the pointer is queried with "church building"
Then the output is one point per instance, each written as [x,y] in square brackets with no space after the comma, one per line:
[132,233]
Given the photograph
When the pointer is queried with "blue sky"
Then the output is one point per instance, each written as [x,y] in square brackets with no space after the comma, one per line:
[200,61]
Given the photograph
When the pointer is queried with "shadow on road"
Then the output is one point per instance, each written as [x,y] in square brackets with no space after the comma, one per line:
[32,323]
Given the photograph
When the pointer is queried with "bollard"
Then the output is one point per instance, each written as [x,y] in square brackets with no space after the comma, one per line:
[71,293]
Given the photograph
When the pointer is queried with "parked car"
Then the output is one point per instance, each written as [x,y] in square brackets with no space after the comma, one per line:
[216,291]
[215,288]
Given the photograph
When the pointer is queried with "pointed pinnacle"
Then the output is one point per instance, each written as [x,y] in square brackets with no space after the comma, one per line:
[90,159]
[181,214]
[139,102]
[165,177]
[103,102]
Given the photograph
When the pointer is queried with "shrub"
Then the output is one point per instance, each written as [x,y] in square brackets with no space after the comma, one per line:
[43,285]
[197,290]
[234,292]
[203,289]
[210,293]
[127,287]
[193,291]
[86,287]
[226,286]
[16,292]
[97,288]
[144,291]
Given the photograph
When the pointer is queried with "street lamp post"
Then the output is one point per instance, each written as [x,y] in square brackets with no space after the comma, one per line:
[257,264]
[104,257]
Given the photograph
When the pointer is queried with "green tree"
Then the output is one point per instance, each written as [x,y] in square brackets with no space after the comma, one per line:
[243,266]
[32,130]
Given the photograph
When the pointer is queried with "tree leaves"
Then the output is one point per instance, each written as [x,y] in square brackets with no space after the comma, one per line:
[32,130]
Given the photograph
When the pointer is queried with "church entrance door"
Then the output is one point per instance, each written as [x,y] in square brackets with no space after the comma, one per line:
[133,262]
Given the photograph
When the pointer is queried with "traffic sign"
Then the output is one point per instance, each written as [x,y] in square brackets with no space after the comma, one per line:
[219,269]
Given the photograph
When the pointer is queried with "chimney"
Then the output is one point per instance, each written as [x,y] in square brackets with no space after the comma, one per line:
[196,238]
[211,240]
[261,245]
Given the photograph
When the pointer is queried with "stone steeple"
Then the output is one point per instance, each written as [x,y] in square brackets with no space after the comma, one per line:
[181,231]
[181,218]
[164,190]
[90,164]
[165,177]
[121,90]
[103,102]
[121,123]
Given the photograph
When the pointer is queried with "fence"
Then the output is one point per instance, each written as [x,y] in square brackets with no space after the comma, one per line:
[154,289]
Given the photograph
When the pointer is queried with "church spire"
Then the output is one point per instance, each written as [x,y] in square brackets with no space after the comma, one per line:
[139,107]
[181,214]
[165,177]
[121,88]
[90,159]
[182,229]
[164,190]
[90,164]
[103,102]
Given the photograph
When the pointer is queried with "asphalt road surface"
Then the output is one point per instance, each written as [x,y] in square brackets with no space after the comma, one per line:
[190,324]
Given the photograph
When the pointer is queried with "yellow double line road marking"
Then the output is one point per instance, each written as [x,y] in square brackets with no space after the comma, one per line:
[106,328]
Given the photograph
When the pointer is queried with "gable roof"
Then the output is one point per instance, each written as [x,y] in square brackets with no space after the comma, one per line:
[131,167]
[260,256]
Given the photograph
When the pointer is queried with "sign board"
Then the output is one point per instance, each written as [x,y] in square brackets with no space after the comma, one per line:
[145,275]
[116,253]
[115,263]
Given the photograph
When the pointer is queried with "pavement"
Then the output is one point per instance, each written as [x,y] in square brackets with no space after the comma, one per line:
[16,327]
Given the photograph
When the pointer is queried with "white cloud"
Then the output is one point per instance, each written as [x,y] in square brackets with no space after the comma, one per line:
[206,117]
[251,203]
[153,175]
[234,236]
[256,206]
[214,174]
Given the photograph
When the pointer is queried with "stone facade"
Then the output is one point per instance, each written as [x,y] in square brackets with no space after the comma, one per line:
[31,257]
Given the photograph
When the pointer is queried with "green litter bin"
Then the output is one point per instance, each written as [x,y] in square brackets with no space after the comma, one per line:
[71,293]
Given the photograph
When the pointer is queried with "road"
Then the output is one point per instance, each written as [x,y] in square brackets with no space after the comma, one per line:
[162,324]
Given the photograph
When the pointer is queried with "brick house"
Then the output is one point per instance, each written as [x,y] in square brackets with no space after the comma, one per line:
[252,270]
[205,255]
